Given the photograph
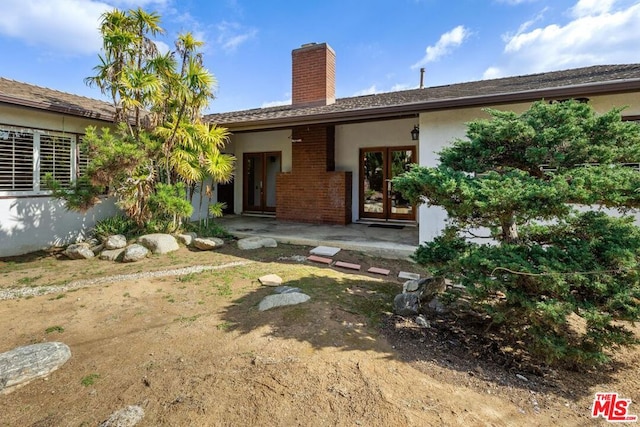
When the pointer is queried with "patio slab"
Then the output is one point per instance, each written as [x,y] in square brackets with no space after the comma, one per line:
[324,251]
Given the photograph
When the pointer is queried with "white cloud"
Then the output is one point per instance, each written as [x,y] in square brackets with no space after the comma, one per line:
[276,103]
[366,91]
[402,86]
[599,33]
[447,42]
[231,35]
[67,27]
[492,73]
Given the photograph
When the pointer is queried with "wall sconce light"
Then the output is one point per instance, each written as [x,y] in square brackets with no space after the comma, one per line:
[415,133]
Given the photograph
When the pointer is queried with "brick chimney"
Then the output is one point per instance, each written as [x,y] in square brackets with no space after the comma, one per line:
[313,75]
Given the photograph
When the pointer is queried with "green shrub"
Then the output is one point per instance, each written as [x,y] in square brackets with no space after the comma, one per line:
[118,224]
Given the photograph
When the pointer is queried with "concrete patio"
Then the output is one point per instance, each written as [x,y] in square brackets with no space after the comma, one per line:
[378,240]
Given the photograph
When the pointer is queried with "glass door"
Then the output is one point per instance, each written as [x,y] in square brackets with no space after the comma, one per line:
[378,199]
[259,176]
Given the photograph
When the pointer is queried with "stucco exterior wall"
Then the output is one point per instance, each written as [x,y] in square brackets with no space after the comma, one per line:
[350,138]
[439,128]
[34,222]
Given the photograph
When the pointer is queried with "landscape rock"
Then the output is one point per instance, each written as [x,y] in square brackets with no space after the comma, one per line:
[423,322]
[437,306]
[25,364]
[117,241]
[270,280]
[159,243]
[135,253]
[256,242]
[279,300]
[125,417]
[97,249]
[186,238]
[406,304]
[207,243]
[286,290]
[79,251]
[111,255]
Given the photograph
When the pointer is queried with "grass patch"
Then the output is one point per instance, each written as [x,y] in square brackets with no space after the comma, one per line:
[224,326]
[59,296]
[25,281]
[89,380]
[52,329]
[190,319]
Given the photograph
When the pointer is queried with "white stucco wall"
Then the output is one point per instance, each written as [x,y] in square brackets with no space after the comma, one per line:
[351,138]
[438,129]
[257,142]
[35,221]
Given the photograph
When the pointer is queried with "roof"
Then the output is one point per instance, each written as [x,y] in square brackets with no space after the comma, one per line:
[40,98]
[578,82]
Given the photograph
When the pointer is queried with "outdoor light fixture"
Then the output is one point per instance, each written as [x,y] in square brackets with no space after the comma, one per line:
[415,133]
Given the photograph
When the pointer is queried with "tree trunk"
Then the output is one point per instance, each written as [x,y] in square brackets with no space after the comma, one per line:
[509,230]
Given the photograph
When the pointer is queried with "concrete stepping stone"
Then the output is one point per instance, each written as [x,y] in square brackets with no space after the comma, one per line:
[270,280]
[324,251]
[25,364]
[348,265]
[320,259]
[408,276]
[378,270]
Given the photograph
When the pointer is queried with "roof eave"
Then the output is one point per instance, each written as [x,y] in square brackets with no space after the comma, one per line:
[78,112]
[582,90]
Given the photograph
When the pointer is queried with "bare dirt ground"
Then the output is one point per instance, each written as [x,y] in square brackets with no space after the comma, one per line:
[195,351]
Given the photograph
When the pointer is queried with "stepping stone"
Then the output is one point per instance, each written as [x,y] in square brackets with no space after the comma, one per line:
[278,300]
[24,364]
[348,265]
[320,259]
[271,280]
[377,270]
[408,276]
[324,251]
[256,242]
[286,290]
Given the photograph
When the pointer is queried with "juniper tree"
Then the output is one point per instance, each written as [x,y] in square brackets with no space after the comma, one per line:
[556,270]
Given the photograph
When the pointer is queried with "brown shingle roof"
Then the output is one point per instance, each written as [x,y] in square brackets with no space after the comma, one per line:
[31,96]
[568,83]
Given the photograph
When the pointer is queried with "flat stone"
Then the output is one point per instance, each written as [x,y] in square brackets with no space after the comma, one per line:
[411,286]
[25,364]
[348,265]
[135,253]
[125,417]
[257,242]
[286,290]
[79,251]
[207,243]
[112,255]
[377,270]
[159,243]
[271,280]
[324,251]
[117,241]
[407,275]
[279,300]
[320,259]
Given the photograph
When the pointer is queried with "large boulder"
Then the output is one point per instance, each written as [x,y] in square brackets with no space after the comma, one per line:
[406,304]
[135,253]
[257,242]
[207,243]
[112,255]
[186,238]
[25,364]
[159,243]
[79,251]
[279,300]
[117,241]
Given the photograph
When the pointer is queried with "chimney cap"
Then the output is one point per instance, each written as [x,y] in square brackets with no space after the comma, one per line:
[309,44]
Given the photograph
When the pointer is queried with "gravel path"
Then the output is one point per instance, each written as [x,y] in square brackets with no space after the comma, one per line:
[43,290]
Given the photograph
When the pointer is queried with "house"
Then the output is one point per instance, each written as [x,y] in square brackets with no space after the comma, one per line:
[328,160]
[40,131]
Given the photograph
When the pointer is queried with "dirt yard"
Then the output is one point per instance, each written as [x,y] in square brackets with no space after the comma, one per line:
[194,350]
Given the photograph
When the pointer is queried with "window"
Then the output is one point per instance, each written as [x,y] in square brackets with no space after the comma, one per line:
[27,155]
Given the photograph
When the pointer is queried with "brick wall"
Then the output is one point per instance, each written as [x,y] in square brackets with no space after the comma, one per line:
[313,192]
[313,75]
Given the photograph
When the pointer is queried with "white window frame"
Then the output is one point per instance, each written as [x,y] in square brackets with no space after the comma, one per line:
[38,187]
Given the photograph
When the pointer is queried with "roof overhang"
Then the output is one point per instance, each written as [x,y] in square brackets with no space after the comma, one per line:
[413,109]
[53,108]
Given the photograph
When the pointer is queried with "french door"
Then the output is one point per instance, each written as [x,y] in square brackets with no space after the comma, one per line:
[259,178]
[378,198]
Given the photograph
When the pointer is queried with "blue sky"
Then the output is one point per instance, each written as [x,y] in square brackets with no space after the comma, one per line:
[380,44]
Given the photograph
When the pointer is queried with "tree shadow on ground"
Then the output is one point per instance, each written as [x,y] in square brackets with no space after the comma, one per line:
[353,313]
